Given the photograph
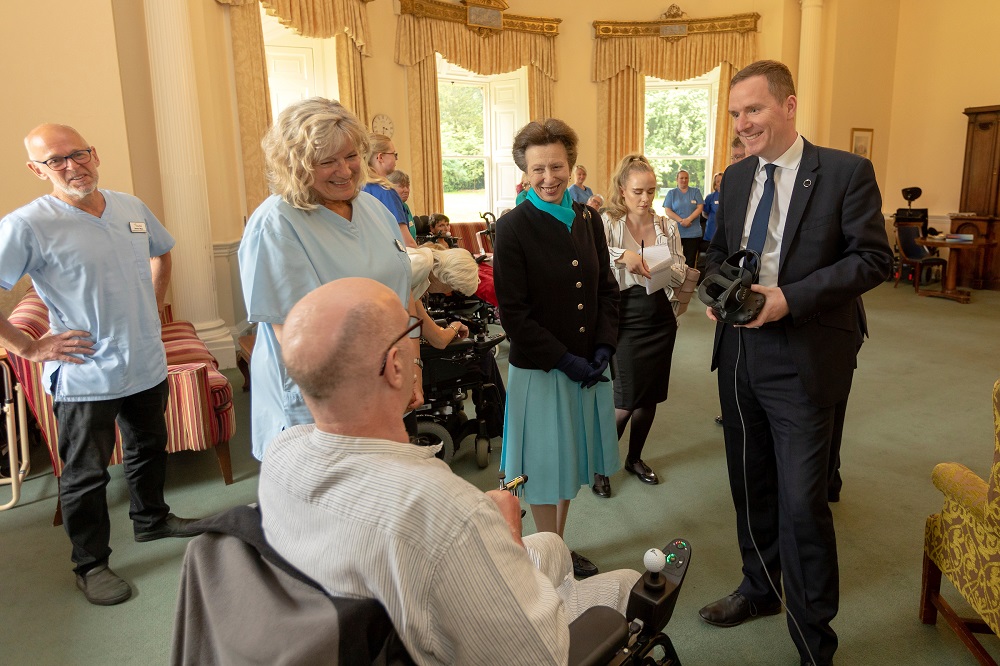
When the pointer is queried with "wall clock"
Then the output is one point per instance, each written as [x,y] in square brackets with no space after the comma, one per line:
[382,124]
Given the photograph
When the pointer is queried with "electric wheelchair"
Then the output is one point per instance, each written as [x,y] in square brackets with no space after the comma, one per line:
[232,566]
[463,368]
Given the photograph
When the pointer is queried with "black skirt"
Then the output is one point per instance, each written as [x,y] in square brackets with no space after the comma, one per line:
[647,330]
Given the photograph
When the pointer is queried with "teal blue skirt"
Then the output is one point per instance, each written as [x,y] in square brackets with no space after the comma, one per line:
[558,433]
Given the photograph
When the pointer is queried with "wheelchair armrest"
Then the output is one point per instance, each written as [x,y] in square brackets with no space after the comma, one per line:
[596,636]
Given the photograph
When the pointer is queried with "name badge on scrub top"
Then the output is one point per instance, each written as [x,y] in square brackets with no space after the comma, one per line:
[694,202]
[137,227]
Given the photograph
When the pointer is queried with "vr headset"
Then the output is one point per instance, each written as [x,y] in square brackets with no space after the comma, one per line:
[728,292]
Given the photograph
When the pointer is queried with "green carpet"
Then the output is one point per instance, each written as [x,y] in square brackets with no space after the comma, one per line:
[922,395]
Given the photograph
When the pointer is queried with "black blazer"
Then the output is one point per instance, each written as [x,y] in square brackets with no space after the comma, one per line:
[554,286]
[834,249]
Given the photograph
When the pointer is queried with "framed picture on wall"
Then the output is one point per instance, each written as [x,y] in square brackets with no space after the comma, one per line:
[861,141]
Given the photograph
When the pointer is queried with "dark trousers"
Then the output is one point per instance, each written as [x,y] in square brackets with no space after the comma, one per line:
[691,247]
[836,481]
[86,442]
[778,453]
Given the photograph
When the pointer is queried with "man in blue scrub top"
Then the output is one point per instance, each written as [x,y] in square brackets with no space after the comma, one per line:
[100,260]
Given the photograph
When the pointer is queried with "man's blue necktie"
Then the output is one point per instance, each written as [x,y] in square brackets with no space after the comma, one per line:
[761,216]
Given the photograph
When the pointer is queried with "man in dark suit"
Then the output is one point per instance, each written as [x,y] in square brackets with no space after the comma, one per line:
[822,241]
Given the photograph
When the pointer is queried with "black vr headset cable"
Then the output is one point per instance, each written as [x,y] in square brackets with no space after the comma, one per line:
[746,492]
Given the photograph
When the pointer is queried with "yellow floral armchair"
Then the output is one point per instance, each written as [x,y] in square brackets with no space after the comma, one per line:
[962,542]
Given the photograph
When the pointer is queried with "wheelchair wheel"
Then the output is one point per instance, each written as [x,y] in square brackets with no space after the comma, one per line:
[483,452]
[430,433]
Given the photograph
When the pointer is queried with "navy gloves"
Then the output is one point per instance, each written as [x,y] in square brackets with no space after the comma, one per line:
[575,367]
[588,374]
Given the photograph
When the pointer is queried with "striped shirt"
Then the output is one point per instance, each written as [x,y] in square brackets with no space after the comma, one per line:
[370,518]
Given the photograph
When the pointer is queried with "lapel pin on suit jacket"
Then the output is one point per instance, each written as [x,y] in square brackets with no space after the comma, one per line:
[806,183]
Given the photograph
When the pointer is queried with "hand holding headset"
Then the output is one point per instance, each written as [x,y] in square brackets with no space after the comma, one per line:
[728,293]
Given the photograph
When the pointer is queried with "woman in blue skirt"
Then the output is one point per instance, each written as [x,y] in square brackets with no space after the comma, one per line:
[559,308]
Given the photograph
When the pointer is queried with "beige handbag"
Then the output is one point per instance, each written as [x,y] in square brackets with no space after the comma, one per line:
[683,282]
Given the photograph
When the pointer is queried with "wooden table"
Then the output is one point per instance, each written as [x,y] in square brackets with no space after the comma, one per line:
[949,284]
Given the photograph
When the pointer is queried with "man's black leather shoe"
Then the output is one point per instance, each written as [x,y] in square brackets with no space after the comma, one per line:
[171,526]
[582,567]
[735,610]
[641,470]
[602,486]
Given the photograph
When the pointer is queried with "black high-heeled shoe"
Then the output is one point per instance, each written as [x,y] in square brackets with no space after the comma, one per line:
[602,486]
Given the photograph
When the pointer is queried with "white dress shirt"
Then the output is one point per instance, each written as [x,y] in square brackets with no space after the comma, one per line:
[784,182]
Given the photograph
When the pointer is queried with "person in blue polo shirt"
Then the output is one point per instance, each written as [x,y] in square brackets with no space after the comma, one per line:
[683,205]
[100,260]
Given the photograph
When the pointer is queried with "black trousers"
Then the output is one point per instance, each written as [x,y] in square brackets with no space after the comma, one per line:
[86,442]
[691,246]
[778,453]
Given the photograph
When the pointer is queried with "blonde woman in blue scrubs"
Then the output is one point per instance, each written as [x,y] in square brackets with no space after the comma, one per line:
[318,226]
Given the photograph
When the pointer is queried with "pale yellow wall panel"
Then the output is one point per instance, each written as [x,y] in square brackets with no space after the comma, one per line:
[47,79]
[946,61]
[861,77]
[386,81]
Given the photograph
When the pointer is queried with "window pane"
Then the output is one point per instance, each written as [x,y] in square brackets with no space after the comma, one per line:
[677,121]
[464,188]
[461,108]
[667,168]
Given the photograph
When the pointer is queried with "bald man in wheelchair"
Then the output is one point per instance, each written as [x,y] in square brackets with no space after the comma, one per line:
[352,504]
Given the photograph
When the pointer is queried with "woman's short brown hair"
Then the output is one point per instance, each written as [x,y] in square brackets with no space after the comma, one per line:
[634,163]
[305,132]
[543,133]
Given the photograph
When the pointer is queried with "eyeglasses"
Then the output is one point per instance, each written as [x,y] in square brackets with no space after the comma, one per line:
[395,155]
[414,326]
[60,162]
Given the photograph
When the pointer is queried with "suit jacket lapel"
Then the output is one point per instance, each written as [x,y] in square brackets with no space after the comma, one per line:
[805,184]
[738,199]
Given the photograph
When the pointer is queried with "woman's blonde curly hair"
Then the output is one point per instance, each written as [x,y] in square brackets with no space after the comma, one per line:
[304,133]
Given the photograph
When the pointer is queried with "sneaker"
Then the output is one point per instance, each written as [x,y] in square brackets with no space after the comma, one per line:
[171,526]
[103,587]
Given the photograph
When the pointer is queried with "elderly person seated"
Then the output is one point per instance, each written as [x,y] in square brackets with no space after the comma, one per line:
[441,272]
[596,202]
[357,508]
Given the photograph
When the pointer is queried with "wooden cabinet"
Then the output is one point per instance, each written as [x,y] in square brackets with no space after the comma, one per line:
[981,196]
[981,175]
[980,269]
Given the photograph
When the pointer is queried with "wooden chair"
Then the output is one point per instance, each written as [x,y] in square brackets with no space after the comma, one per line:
[962,542]
[917,257]
[470,236]
[200,413]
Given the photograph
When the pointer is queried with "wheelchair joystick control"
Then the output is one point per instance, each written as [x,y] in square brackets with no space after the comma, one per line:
[654,560]
[653,597]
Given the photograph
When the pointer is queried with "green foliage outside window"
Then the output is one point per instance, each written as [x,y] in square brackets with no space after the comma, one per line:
[677,134]
[462,133]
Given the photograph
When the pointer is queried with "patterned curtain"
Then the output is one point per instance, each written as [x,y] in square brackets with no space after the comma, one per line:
[621,65]
[347,19]
[621,107]
[253,106]
[427,182]
[417,40]
[725,127]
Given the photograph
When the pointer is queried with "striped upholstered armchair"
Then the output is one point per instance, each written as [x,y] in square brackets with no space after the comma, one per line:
[200,413]
[963,543]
